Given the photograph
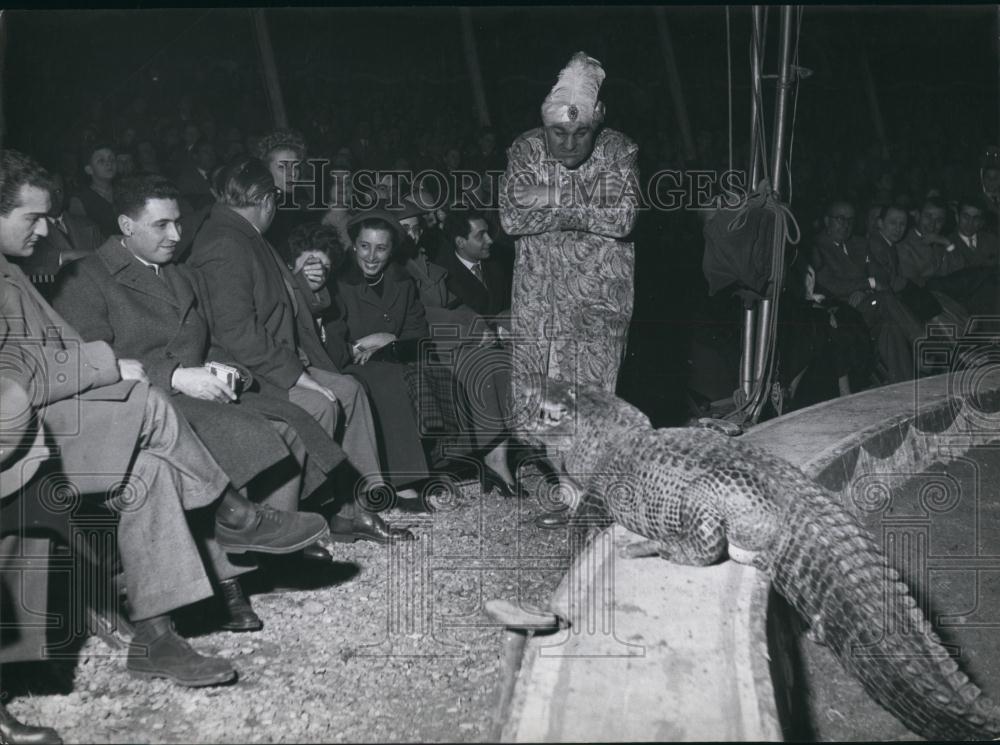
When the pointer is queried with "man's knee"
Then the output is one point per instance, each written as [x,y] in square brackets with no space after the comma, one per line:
[316,405]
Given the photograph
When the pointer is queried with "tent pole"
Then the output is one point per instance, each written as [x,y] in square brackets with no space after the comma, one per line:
[769,305]
[674,81]
[873,104]
[269,70]
[472,67]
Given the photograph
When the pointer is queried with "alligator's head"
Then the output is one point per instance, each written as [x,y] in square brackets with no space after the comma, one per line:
[575,425]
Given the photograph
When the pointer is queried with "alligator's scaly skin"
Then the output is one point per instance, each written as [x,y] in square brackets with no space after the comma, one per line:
[699,494]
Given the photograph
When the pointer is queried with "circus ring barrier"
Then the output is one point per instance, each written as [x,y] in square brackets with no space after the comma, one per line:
[661,652]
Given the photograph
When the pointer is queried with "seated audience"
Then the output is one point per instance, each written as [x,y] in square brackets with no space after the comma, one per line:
[381,316]
[979,252]
[133,296]
[194,177]
[121,441]
[842,264]
[314,250]
[69,237]
[96,199]
[257,320]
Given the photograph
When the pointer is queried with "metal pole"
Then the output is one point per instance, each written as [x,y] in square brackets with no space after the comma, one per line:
[269,70]
[472,64]
[768,304]
[781,102]
[747,352]
[674,81]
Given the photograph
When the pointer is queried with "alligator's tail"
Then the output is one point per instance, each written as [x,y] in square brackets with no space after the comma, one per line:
[833,573]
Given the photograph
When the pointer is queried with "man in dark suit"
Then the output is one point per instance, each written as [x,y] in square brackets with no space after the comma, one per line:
[122,439]
[480,283]
[259,320]
[132,296]
[194,177]
[979,253]
[477,279]
[69,237]
[844,271]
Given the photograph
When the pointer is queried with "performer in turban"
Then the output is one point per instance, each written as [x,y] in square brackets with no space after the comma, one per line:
[566,199]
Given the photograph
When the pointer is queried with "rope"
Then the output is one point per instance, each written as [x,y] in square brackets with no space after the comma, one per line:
[786,232]
[758,147]
[795,105]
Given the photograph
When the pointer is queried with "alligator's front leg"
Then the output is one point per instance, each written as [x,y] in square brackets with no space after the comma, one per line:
[683,530]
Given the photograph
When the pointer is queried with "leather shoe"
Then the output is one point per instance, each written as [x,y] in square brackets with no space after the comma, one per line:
[316,552]
[272,532]
[159,652]
[490,480]
[553,520]
[13,732]
[366,526]
[241,614]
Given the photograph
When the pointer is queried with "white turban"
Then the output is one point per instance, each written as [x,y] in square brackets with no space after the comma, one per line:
[574,96]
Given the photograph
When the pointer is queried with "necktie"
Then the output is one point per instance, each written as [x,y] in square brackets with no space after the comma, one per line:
[60,223]
[477,271]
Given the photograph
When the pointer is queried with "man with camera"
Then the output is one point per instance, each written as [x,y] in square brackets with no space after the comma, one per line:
[132,296]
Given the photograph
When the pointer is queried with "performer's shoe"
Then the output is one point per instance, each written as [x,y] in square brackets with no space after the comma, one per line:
[366,526]
[241,613]
[272,532]
[13,732]
[157,651]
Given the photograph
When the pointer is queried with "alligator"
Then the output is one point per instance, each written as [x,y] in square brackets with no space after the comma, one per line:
[697,496]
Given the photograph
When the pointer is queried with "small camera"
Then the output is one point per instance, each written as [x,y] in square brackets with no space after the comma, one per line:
[228,374]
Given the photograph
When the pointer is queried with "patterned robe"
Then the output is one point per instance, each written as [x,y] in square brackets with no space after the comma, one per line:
[573,275]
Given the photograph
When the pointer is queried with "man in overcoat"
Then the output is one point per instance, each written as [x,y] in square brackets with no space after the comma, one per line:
[258,318]
[131,295]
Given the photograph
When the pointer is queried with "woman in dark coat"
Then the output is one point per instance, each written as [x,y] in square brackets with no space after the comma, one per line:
[379,314]
[313,250]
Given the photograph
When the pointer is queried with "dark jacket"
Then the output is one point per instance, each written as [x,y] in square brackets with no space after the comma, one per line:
[161,322]
[361,311]
[487,299]
[81,235]
[100,210]
[838,272]
[253,304]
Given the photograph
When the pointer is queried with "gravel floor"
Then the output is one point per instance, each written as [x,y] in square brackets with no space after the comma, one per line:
[388,644]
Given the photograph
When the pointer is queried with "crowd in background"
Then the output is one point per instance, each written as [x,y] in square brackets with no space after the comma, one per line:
[223,115]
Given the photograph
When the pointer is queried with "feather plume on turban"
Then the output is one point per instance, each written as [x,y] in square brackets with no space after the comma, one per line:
[574,96]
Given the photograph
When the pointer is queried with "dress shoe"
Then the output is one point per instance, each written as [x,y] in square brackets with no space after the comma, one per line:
[272,531]
[366,526]
[13,732]
[159,652]
[490,480]
[316,552]
[241,614]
